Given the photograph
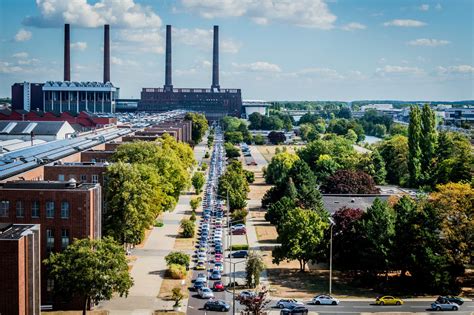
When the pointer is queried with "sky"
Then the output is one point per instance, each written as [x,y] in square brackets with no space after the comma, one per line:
[271,49]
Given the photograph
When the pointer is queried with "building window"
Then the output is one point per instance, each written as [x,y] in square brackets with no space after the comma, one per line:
[83,178]
[20,210]
[49,239]
[64,238]
[64,210]
[49,285]
[35,209]
[61,177]
[4,207]
[49,209]
[95,179]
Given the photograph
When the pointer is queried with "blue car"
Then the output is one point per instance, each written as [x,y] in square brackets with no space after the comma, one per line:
[217,305]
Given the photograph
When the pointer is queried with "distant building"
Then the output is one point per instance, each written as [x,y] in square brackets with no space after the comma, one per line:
[381,107]
[84,172]
[64,210]
[30,130]
[20,266]
[458,116]
[27,96]
[126,105]
[255,106]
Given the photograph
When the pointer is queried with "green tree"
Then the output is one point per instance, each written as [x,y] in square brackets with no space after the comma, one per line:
[276,211]
[380,130]
[325,167]
[255,120]
[259,139]
[92,270]
[177,296]
[414,149]
[308,195]
[394,152]
[300,233]
[428,142]
[276,137]
[195,202]
[253,268]
[279,166]
[250,176]
[187,227]
[231,151]
[234,137]
[198,180]
[178,258]
[234,183]
[379,168]
[351,136]
[199,125]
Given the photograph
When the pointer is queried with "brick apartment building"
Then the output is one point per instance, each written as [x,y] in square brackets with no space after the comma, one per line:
[84,172]
[64,210]
[20,269]
[101,156]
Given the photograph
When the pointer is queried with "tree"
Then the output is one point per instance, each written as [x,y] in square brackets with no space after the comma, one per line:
[253,268]
[194,203]
[279,209]
[234,137]
[199,125]
[394,152]
[428,142]
[350,182]
[279,166]
[414,149]
[90,269]
[308,195]
[198,180]
[255,304]
[325,167]
[178,258]
[259,139]
[379,167]
[345,112]
[398,129]
[351,136]
[255,120]
[300,233]
[380,130]
[250,176]
[231,151]
[234,183]
[177,296]
[276,137]
[187,227]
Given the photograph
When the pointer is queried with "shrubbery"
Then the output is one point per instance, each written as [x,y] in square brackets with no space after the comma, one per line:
[239,247]
[178,258]
[176,271]
[187,227]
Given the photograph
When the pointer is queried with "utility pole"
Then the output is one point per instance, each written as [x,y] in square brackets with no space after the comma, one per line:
[330,257]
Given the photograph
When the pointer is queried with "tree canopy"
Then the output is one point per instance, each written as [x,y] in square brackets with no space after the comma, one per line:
[199,127]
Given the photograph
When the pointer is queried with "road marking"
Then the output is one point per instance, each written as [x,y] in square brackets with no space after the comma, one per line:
[189,306]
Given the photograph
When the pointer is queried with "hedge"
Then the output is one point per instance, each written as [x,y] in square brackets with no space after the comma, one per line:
[239,247]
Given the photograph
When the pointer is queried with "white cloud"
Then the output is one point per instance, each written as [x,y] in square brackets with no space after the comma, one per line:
[404,23]
[460,69]
[354,26]
[424,7]
[116,61]
[6,67]
[23,35]
[428,42]
[203,39]
[303,13]
[81,46]
[28,61]
[325,73]
[258,66]
[438,6]
[147,40]
[20,55]
[80,13]
[398,70]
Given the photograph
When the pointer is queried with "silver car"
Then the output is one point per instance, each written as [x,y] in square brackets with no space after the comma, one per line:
[206,293]
[288,303]
[444,306]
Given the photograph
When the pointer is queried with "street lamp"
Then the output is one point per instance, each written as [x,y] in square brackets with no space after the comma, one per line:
[330,256]
[233,282]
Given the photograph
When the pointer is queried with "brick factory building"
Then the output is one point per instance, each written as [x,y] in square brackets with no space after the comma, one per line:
[20,269]
[64,210]
[84,172]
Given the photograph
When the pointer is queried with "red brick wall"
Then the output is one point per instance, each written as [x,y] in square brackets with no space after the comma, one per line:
[9,277]
[96,156]
[52,172]
[34,174]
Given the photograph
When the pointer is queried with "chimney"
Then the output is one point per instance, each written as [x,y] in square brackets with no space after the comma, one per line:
[67,54]
[168,81]
[215,60]
[106,53]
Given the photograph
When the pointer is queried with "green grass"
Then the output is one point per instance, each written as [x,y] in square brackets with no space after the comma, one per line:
[158,223]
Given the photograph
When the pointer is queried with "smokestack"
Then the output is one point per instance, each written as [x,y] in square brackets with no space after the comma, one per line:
[106,53]
[67,54]
[168,81]
[215,60]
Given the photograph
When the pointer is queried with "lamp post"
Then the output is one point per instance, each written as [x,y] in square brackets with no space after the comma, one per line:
[233,282]
[330,256]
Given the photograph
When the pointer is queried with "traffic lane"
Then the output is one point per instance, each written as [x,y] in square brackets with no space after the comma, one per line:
[356,307]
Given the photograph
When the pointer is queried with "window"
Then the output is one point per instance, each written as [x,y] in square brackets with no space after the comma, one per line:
[83,178]
[20,210]
[64,238]
[49,239]
[64,210]
[49,285]
[4,207]
[35,209]
[95,179]
[49,209]
[61,177]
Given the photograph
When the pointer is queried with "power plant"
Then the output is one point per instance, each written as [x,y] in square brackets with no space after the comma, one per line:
[214,102]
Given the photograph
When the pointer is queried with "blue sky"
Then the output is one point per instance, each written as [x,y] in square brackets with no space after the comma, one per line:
[271,49]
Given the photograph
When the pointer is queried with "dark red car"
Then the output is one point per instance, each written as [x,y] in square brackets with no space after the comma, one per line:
[218,286]
[239,232]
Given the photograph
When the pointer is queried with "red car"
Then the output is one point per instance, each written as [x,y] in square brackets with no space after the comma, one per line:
[239,232]
[218,286]
[218,258]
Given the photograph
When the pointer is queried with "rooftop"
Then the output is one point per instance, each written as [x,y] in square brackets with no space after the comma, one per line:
[77,84]
[43,128]
[46,185]
[81,164]
[9,231]
[332,203]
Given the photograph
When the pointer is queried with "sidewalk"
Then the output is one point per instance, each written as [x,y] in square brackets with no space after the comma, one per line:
[149,268]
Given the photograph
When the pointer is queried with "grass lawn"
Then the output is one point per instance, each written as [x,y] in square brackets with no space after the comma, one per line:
[268,151]
[168,284]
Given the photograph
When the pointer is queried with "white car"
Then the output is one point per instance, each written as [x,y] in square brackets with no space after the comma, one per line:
[238,226]
[286,303]
[201,277]
[201,256]
[324,300]
[206,293]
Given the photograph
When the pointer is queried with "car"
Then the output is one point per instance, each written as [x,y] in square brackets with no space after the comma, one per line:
[198,285]
[219,266]
[388,300]
[294,309]
[216,275]
[239,232]
[452,299]
[245,295]
[218,250]
[201,277]
[217,305]
[200,266]
[324,300]
[444,305]
[201,256]
[238,226]
[239,254]
[218,286]
[206,293]
[218,258]
[286,303]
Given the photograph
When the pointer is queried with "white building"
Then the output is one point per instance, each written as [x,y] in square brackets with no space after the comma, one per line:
[255,106]
[39,130]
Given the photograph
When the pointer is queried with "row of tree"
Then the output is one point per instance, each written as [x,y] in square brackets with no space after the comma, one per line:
[275,121]
[234,185]
[199,127]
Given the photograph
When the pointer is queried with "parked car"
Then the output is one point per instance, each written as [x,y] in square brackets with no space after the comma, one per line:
[324,300]
[201,277]
[218,286]
[286,303]
[238,226]
[452,299]
[201,256]
[388,300]
[294,309]
[444,306]
[239,232]
[216,275]
[219,266]
[239,254]
[245,295]
[200,266]
[206,293]
[217,305]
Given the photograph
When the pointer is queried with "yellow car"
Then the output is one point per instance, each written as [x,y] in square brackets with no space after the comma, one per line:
[388,300]
[200,266]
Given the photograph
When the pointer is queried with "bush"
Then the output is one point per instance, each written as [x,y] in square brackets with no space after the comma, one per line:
[158,223]
[250,176]
[259,140]
[198,181]
[188,228]
[193,216]
[204,166]
[194,203]
[231,151]
[239,215]
[176,271]
[177,296]
[239,247]
[206,155]
[177,258]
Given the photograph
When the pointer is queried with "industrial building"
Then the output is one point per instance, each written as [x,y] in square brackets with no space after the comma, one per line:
[39,130]
[67,95]
[255,106]
[214,102]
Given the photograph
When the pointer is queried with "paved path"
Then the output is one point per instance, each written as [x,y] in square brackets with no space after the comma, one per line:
[149,268]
